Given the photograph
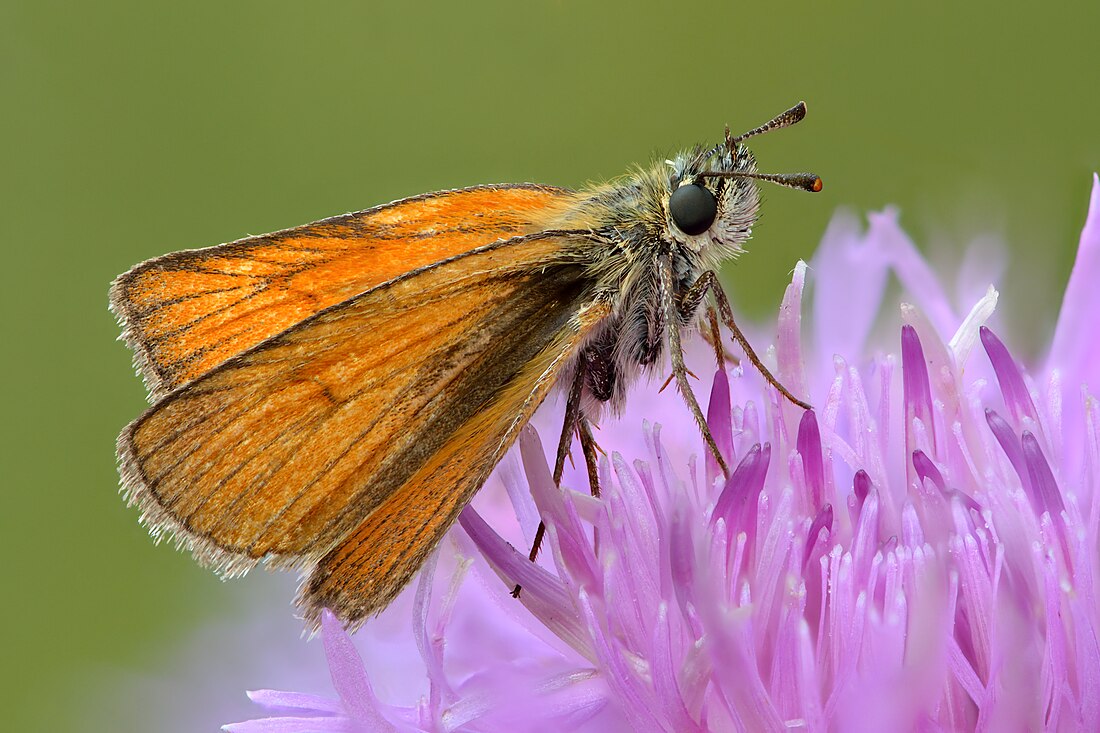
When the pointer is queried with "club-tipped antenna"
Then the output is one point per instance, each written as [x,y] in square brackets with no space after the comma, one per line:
[792,116]
[802,181]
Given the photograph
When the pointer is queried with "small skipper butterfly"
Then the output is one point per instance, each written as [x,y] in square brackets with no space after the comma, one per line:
[329,397]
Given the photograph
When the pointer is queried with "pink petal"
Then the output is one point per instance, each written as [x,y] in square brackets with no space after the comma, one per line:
[1072,350]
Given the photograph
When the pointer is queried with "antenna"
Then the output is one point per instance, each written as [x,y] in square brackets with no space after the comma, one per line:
[802,181]
[792,116]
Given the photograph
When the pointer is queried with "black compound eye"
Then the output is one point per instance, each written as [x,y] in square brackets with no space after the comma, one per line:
[693,208]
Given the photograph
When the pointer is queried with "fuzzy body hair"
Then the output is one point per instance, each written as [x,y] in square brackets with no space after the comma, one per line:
[630,228]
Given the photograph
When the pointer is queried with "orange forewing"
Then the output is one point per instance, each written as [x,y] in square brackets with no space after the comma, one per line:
[399,399]
[186,312]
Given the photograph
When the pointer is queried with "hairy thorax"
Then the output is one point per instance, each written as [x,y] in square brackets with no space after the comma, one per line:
[627,226]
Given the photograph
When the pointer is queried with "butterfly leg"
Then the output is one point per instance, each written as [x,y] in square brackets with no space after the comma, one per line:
[713,336]
[572,423]
[589,448]
[708,281]
[672,312]
[591,462]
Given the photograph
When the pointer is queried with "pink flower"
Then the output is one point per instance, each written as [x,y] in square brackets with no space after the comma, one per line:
[919,553]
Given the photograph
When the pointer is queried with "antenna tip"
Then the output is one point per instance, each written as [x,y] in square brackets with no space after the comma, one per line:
[805,181]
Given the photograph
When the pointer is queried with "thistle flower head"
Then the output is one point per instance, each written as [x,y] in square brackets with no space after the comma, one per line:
[920,552]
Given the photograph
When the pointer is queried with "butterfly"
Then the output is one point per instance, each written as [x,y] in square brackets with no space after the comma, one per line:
[329,397]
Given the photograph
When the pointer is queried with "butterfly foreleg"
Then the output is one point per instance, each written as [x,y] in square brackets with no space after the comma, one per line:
[726,314]
[690,302]
[672,309]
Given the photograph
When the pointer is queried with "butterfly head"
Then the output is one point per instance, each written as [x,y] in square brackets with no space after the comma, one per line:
[712,198]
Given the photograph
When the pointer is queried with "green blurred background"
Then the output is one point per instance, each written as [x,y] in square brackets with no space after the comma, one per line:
[134,129]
